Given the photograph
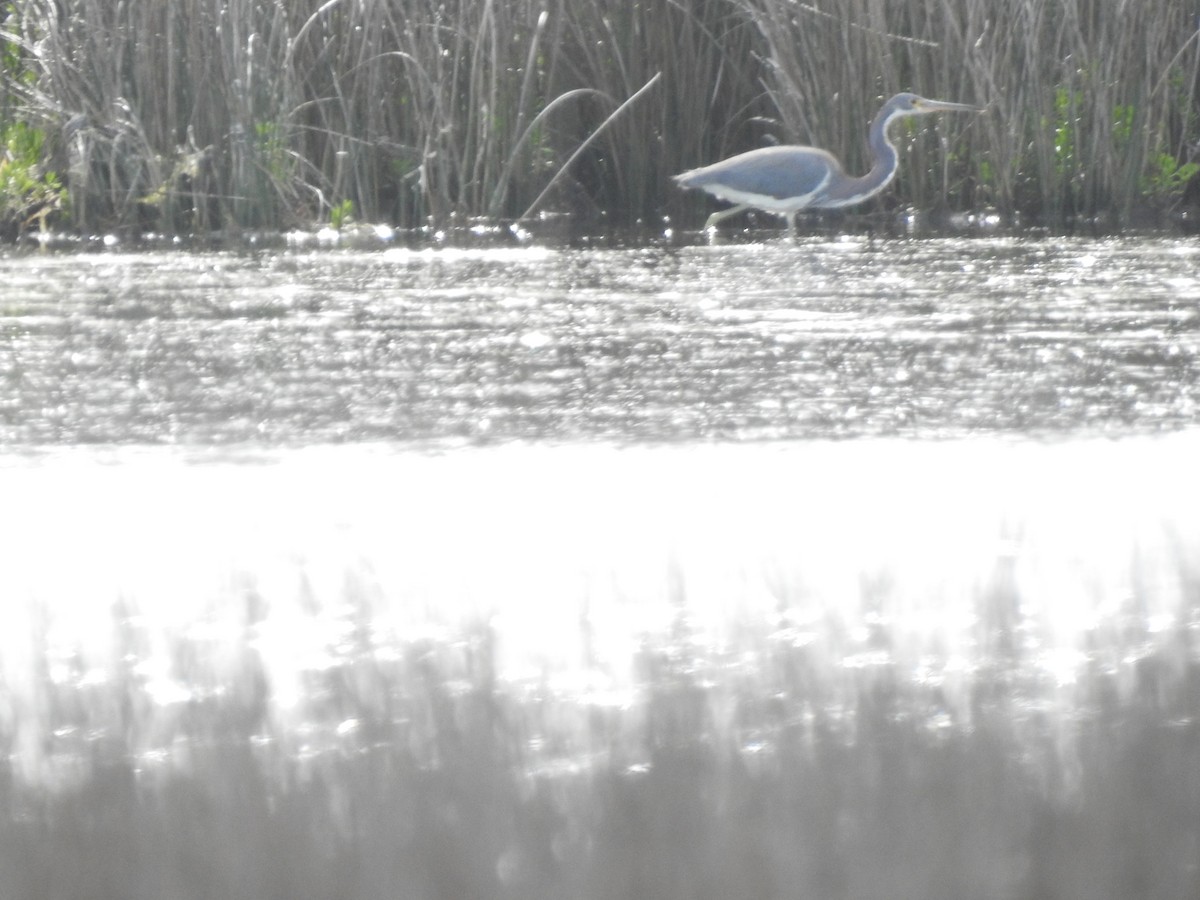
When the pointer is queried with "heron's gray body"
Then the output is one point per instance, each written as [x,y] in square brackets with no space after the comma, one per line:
[781,180]
[786,180]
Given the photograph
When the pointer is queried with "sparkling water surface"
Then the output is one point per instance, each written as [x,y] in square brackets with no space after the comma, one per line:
[820,566]
[847,337]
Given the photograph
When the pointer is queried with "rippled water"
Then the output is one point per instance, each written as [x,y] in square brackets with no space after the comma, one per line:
[786,339]
[828,567]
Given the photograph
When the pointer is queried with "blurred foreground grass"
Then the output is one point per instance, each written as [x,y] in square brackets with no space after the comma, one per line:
[793,760]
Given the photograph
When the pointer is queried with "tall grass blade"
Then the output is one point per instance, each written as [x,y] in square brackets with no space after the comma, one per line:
[613,117]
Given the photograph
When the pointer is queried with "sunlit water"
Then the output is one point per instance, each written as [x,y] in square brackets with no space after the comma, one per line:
[836,338]
[829,567]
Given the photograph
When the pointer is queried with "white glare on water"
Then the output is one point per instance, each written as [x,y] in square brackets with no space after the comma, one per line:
[574,556]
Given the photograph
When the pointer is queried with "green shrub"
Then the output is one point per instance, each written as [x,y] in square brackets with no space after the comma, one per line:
[28,194]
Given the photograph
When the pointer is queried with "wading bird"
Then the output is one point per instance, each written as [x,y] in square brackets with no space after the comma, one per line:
[786,180]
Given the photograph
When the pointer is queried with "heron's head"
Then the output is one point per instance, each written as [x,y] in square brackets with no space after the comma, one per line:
[915,105]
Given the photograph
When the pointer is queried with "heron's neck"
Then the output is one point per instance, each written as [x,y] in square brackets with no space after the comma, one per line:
[883,168]
[883,152]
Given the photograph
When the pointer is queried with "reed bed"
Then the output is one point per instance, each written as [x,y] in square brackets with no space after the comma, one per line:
[766,768]
[1091,110]
[211,114]
[768,686]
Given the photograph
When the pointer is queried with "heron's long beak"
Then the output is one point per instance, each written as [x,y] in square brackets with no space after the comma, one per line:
[936,106]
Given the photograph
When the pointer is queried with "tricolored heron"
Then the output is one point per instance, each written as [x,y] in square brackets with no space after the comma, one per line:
[786,180]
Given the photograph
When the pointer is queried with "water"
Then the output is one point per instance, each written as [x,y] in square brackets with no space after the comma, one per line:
[825,567]
[829,338]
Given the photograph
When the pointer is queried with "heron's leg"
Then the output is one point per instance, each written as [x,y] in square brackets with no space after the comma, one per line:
[723,214]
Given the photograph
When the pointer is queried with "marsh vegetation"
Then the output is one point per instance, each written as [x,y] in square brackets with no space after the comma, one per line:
[205,115]
[741,671]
